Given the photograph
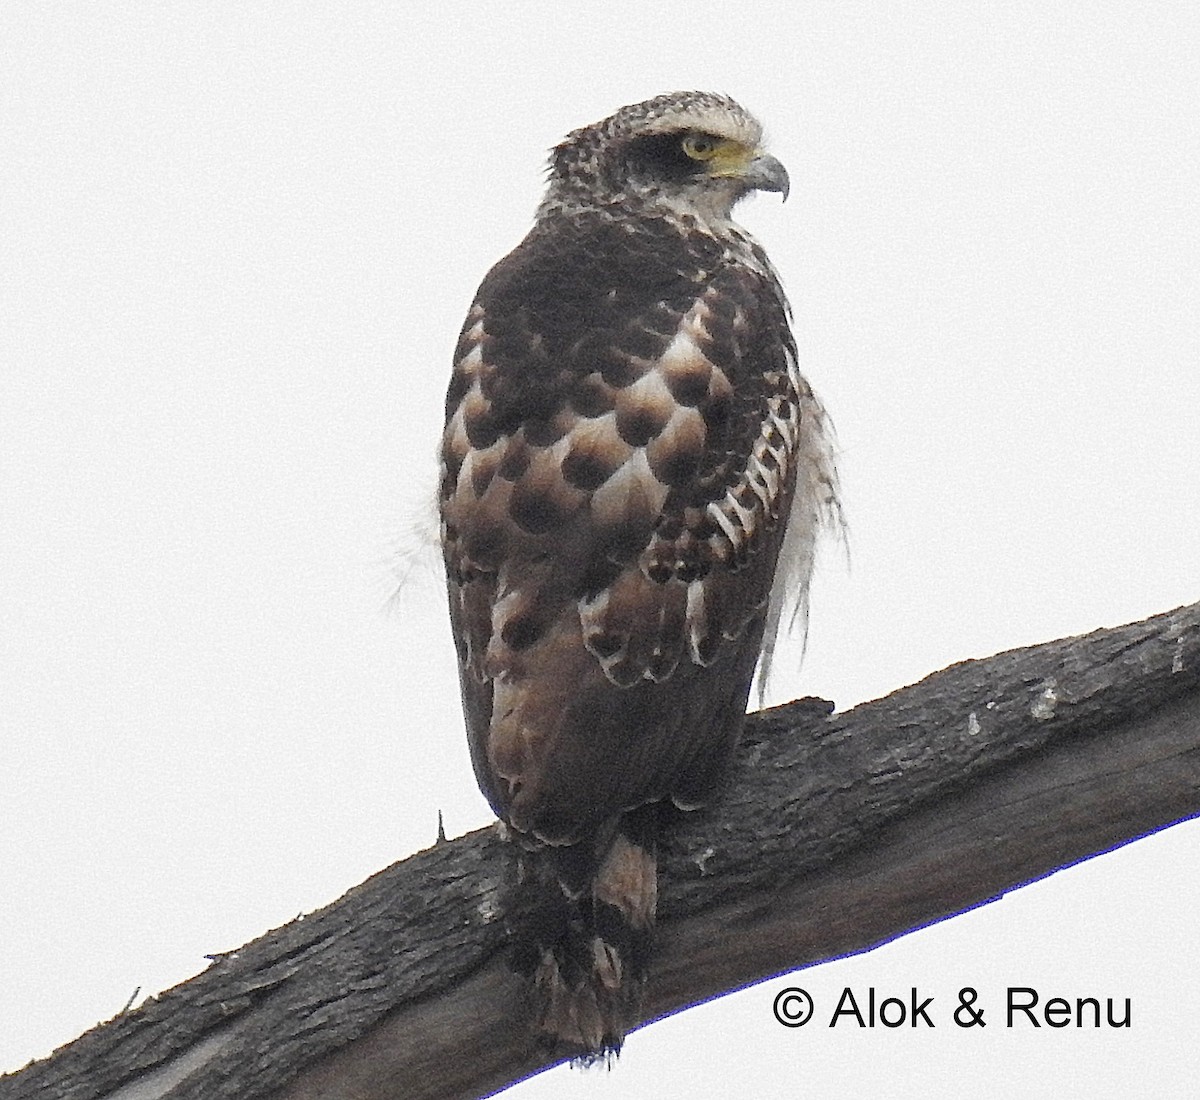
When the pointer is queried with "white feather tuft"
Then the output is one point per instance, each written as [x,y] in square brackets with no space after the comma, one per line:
[816,511]
[413,562]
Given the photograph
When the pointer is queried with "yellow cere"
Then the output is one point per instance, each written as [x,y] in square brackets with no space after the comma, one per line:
[726,156]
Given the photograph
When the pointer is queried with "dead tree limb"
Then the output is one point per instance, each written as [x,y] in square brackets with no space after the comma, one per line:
[836,833]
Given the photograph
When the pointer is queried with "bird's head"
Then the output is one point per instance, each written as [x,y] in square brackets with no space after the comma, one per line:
[689,152]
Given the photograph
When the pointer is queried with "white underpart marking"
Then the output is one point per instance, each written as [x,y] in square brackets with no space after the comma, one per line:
[632,488]
[650,388]
[695,618]
[757,480]
[771,481]
[456,430]
[657,651]
[473,360]
[744,516]
[591,608]
[682,419]
[724,522]
[684,348]
[467,470]
[495,660]
[681,351]
[591,621]
[592,432]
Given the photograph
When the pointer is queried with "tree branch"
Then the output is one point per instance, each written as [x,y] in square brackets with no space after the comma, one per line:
[836,833]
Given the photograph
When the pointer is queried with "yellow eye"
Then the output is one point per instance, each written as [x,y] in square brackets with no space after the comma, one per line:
[700,146]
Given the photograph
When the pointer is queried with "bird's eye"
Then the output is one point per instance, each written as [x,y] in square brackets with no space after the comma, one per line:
[700,146]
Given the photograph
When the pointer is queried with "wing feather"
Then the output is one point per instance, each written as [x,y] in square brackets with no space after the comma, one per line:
[620,463]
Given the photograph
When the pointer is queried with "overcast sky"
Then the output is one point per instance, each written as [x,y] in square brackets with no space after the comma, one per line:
[236,245]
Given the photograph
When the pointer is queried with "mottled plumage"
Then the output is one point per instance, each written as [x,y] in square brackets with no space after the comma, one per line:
[629,448]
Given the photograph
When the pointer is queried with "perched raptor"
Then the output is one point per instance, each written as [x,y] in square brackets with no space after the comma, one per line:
[633,476]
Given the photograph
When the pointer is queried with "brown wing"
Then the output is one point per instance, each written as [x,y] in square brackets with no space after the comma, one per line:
[618,464]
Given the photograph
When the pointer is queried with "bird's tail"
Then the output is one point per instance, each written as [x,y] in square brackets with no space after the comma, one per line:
[583,921]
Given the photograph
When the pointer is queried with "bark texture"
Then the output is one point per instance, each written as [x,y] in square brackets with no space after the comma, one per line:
[835,833]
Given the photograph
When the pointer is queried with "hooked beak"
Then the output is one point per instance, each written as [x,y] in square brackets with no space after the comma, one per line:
[765,173]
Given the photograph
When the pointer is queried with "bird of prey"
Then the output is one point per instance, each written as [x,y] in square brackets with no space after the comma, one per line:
[633,477]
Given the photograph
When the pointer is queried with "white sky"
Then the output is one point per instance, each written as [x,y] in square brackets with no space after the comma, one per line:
[238,241]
